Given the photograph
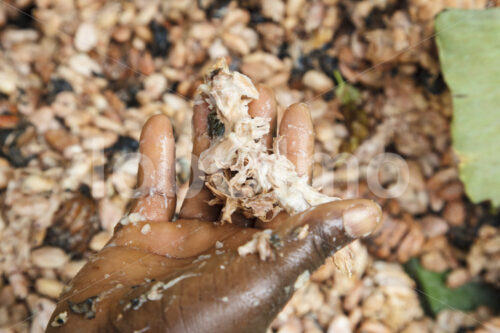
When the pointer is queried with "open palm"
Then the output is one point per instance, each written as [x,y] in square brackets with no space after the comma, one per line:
[155,275]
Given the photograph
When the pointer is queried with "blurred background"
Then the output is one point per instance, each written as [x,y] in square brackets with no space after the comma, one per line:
[79,78]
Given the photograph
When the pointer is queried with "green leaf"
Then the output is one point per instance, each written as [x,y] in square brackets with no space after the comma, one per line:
[436,296]
[347,93]
[469,52]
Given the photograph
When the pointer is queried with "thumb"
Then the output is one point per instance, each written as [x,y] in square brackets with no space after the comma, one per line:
[233,293]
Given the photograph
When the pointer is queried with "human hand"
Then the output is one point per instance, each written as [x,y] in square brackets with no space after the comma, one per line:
[187,276]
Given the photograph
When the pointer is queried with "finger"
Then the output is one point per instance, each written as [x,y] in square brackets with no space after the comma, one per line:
[156,175]
[244,293]
[195,205]
[296,135]
[296,142]
[265,106]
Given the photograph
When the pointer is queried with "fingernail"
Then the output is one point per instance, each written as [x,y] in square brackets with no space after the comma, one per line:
[361,219]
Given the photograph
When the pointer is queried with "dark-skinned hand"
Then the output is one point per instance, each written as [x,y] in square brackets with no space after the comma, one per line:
[163,276]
